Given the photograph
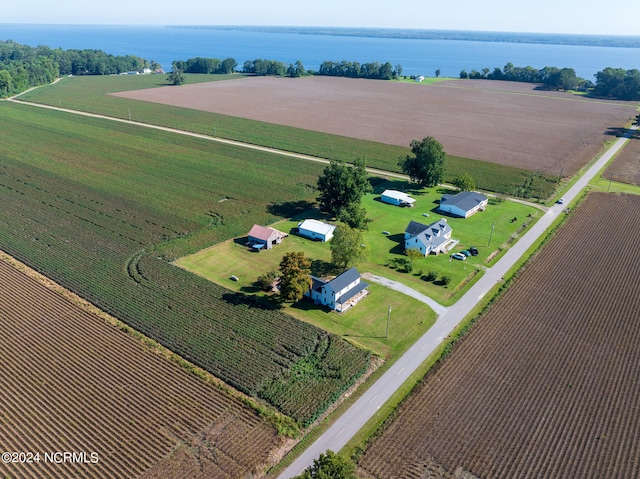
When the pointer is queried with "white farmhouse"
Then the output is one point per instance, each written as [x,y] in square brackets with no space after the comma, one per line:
[340,293]
[427,239]
[316,230]
[397,198]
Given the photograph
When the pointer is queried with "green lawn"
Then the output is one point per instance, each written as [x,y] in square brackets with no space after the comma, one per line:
[232,258]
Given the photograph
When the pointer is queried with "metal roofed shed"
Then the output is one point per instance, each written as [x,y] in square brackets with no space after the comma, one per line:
[398,198]
[316,230]
[463,204]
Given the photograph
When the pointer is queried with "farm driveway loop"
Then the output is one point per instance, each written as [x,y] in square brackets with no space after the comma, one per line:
[389,283]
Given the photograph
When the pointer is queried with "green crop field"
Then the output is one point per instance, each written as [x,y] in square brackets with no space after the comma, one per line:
[91,94]
[100,206]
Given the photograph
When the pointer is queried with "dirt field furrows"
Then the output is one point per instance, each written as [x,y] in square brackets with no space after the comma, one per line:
[626,166]
[508,123]
[72,383]
[547,384]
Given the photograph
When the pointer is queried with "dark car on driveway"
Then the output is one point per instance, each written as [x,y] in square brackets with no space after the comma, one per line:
[474,251]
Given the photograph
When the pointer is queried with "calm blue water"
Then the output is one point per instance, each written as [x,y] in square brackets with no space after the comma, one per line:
[417,56]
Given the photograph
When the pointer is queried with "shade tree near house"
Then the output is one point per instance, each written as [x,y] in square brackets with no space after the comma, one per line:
[347,247]
[295,269]
[341,188]
[426,165]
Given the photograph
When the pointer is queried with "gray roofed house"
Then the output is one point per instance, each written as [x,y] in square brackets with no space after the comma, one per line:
[463,204]
[340,293]
[427,239]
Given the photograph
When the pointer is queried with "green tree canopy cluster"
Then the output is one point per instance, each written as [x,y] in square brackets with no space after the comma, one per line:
[618,83]
[552,77]
[329,466]
[341,190]
[373,70]
[265,67]
[23,67]
[426,166]
[295,269]
[206,65]
[347,247]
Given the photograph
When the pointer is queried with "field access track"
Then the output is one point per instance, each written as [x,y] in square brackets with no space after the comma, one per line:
[71,382]
[546,383]
[509,123]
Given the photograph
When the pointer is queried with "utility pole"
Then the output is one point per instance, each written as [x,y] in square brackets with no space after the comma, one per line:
[491,234]
[388,320]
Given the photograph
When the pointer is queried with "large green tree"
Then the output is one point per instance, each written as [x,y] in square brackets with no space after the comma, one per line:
[330,466]
[176,77]
[464,182]
[347,247]
[426,166]
[295,269]
[341,189]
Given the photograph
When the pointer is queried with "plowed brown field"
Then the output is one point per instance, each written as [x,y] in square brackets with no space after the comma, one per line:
[547,384]
[72,383]
[626,167]
[502,122]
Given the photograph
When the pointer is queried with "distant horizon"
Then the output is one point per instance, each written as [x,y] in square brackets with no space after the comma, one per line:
[320,27]
[571,17]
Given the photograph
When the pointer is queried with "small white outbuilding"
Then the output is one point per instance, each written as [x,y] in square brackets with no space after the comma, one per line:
[316,230]
[398,198]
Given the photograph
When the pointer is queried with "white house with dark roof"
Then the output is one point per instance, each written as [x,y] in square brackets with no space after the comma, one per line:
[265,237]
[427,239]
[463,204]
[340,293]
[316,230]
[398,198]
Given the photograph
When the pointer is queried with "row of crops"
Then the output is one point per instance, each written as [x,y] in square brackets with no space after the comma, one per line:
[101,246]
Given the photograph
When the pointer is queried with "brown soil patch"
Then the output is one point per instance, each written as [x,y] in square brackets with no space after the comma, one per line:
[71,382]
[546,384]
[503,122]
[626,167]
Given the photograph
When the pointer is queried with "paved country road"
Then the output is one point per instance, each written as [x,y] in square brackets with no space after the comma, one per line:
[347,425]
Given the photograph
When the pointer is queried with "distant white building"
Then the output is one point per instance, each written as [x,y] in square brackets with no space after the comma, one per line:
[316,230]
[427,239]
[340,293]
[398,198]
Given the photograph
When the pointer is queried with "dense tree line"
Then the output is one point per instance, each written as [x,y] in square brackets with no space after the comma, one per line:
[552,77]
[372,70]
[614,83]
[206,65]
[265,67]
[618,83]
[22,66]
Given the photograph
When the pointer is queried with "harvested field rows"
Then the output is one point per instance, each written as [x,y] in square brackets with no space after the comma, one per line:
[546,384]
[71,382]
[508,123]
[95,225]
[626,166]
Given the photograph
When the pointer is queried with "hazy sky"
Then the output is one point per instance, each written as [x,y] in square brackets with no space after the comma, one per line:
[545,16]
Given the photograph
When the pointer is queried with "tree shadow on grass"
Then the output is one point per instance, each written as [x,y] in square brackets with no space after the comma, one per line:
[291,209]
[321,268]
[620,132]
[251,302]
